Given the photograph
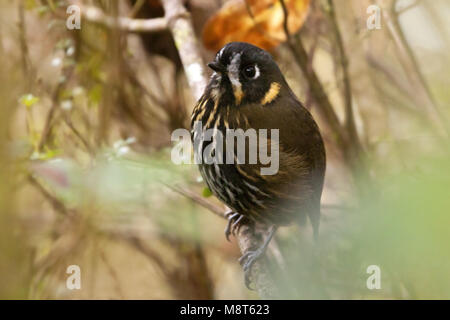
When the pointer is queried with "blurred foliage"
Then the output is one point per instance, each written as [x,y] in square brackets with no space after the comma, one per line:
[402,230]
[259,22]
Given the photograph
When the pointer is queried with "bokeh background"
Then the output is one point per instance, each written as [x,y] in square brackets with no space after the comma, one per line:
[86,176]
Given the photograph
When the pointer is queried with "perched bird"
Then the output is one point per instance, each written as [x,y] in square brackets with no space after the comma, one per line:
[248,91]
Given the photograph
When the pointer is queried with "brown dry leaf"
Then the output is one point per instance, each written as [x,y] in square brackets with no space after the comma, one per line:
[259,22]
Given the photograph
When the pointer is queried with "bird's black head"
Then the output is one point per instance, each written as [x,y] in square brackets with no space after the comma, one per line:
[246,73]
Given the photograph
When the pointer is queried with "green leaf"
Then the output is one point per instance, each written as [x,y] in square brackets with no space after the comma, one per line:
[206,192]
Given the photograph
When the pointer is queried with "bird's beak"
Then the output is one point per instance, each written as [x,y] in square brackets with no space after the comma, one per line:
[217,66]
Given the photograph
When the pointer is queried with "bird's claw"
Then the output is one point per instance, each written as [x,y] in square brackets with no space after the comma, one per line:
[234,224]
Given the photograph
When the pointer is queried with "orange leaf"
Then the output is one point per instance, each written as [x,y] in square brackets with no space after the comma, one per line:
[259,22]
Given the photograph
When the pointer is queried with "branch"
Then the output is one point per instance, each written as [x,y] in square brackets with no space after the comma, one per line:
[26,62]
[57,204]
[179,22]
[414,106]
[96,15]
[318,92]
[390,74]
[199,200]
[349,115]
[249,237]
[412,69]
[78,134]
[49,121]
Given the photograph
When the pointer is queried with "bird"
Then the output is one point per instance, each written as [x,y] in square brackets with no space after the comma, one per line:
[247,90]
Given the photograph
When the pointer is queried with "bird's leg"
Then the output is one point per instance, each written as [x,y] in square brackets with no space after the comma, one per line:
[251,256]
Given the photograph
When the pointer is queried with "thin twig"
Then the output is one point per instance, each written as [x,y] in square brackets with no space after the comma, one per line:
[77,133]
[391,75]
[321,98]
[349,112]
[49,121]
[199,200]
[412,68]
[57,204]
[26,63]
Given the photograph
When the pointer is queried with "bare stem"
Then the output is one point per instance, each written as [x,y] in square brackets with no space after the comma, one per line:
[349,114]
[412,68]
[318,92]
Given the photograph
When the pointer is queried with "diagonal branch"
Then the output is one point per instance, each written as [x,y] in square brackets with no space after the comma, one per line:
[199,200]
[412,68]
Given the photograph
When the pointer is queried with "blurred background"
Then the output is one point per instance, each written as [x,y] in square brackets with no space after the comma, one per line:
[86,176]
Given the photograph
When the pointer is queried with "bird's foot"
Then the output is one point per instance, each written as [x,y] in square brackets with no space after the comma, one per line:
[234,223]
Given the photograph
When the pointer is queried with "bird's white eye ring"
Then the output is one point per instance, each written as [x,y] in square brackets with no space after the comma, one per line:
[251,71]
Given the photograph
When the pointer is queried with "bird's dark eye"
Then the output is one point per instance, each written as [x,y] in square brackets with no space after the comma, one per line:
[250,72]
